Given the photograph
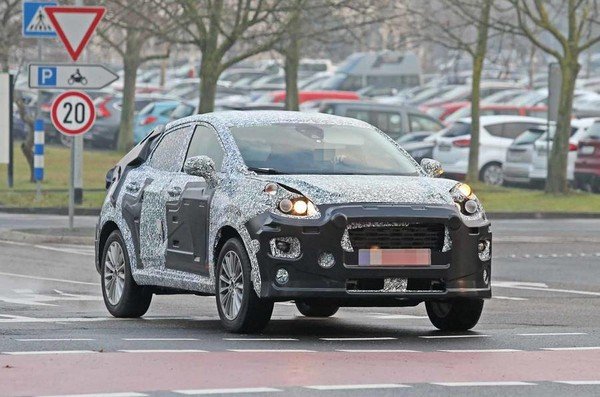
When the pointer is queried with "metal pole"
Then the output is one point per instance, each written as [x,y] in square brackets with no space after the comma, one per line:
[10,167]
[72,187]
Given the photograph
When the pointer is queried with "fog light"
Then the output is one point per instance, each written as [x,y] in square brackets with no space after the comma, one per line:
[285,247]
[282,277]
[483,249]
[471,206]
[326,260]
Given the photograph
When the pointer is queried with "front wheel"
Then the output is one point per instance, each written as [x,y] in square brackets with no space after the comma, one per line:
[455,314]
[240,309]
[316,309]
[492,174]
[122,296]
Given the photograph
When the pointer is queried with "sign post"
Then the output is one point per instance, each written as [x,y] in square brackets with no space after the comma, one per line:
[6,124]
[73,114]
[38,156]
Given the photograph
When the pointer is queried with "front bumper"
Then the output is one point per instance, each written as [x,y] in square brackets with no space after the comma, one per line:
[457,272]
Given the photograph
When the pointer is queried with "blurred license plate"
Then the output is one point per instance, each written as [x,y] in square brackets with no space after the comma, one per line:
[586,150]
[444,148]
[394,257]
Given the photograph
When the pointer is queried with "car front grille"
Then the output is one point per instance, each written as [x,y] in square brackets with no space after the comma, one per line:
[426,235]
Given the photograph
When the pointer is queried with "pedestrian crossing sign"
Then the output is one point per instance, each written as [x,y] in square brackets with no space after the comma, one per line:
[35,20]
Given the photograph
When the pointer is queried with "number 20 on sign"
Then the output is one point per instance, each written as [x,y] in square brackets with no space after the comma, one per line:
[73,113]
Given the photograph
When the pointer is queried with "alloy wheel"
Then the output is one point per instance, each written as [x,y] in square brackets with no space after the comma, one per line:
[114,273]
[492,175]
[231,285]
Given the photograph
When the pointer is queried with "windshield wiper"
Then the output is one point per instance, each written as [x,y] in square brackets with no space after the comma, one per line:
[263,170]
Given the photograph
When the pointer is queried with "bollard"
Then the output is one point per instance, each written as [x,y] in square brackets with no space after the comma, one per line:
[38,157]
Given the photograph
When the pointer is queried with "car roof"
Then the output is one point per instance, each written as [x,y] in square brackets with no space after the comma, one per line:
[234,118]
[371,105]
[496,119]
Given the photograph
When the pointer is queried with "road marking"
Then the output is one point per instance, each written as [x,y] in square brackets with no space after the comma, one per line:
[540,287]
[163,351]
[48,279]
[271,351]
[509,298]
[572,348]
[480,351]
[579,382]
[360,339]
[14,243]
[398,317]
[125,394]
[50,352]
[466,384]
[228,391]
[357,387]
[453,336]
[159,339]
[55,340]
[58,320]
[65,250]
[553,334]
[377,351]
[262,339]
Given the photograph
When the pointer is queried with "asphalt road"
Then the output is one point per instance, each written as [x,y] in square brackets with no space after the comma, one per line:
[538,335]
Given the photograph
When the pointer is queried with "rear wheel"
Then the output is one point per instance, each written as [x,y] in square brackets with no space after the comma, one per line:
[122,296]
[454,314]
[315,308]
[492,174]
[240,309]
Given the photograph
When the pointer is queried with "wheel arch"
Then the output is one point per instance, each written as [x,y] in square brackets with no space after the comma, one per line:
[491,162]
[225,233]
[107,229]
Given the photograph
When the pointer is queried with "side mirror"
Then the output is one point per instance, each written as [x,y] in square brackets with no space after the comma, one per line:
[108,180]
[202,166]
[432,168]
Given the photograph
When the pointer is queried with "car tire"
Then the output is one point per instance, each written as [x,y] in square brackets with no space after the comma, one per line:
[455,314]
[240,309]
[491,174]
[315,308]
[122,296]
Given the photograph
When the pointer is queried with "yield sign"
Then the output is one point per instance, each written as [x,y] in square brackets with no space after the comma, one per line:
[75,25]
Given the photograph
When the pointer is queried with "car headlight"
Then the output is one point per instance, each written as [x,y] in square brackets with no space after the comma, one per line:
[465,199]
[299,206]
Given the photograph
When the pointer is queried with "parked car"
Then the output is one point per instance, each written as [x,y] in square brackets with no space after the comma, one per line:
[519,155]
[539,162]
[496,109]
[587,164]
[151,116]
[258,207]
[394,120]
[305,96]
[416,144]
[495,136]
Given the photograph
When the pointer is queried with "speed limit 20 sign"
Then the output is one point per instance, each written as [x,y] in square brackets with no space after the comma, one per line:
[73,113]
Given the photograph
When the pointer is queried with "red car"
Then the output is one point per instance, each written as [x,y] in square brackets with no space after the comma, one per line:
[305,96]
[491,109]
[587,165]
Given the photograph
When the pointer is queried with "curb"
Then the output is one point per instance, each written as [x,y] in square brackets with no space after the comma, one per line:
[50,211]
[32,238]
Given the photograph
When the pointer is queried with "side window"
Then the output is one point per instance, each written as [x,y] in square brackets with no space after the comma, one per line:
[421,123]
[513,130]
[388,122]
[329,109]
[170,152]
[362,115]
[495,129]
[206,143]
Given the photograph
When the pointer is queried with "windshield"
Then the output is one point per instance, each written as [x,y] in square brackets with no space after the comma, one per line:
[320,149]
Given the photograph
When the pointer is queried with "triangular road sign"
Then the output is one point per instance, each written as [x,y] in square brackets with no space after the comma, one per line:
[75,25]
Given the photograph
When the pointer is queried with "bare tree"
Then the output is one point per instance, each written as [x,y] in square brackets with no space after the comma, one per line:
[10,29]
[123,32]
[572,27]
[462,25]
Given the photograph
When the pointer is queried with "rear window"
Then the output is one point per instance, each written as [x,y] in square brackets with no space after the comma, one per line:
[528,137]
[458,129]
[594,131]
[183,110]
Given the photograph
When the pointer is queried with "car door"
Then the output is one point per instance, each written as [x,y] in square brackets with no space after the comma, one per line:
[188,205]
[165,163]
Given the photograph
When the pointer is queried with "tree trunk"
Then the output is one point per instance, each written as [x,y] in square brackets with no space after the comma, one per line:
[4,59]
[556,182]
[478,58]
[130,66]
[27,145]
[209,75]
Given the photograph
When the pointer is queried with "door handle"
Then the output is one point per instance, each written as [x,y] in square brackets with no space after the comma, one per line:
[174,191]
[132,187]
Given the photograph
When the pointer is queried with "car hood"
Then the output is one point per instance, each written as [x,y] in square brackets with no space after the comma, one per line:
[335,189]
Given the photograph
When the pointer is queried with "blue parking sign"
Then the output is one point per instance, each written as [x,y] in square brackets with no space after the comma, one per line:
[47,76]
[35,20]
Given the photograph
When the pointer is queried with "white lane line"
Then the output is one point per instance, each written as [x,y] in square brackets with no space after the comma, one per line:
[49,352]
[359,339]
[467,384]
[578,382]
[65,250]
[228,391]
[58,319]
[58,280]
[55,339]
[159,339]
[357,387]
[480,350]
[553,334]
[453,336]
[509,298]
[13,243]
[162,351]
[572,348]
[262,339]
[541,287]
[377,351]
[124,394]
[271,351]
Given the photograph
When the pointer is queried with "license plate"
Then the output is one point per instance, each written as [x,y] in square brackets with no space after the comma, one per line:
[586,150]
[394,257]
[444,148]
